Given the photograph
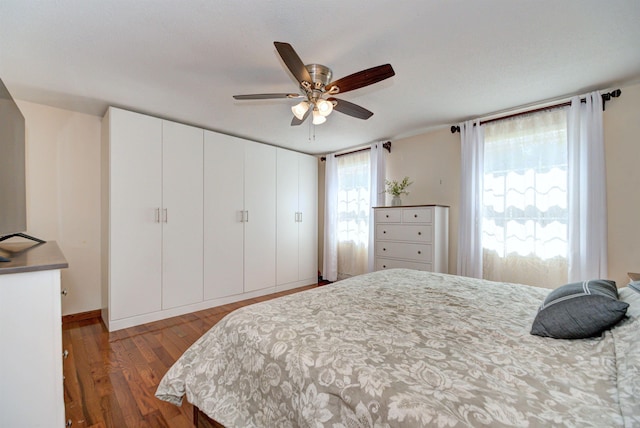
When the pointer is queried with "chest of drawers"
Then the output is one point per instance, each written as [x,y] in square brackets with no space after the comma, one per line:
[414,237]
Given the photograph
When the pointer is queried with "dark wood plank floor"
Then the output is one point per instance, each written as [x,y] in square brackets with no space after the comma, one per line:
[111,378]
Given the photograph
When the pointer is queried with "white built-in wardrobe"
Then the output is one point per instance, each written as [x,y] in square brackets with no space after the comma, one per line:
[193,219]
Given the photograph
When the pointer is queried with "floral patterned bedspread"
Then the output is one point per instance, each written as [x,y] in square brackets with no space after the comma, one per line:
[406,348]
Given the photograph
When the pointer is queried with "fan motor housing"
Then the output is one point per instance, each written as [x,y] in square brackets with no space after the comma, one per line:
[320,75]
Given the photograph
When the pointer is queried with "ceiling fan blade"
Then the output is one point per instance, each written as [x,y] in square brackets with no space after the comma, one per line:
[293,62]
[362,78]
[265,96]
[295,121]
[350,109]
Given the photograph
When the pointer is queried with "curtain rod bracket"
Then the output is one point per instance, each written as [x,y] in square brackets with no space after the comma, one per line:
[607,97]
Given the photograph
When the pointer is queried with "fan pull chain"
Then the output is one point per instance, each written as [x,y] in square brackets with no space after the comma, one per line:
[314,131]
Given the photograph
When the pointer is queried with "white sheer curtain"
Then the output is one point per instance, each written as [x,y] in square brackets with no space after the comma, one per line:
[330,254]
[350,190]
[587,190]
[378,174]
[469,261]
[525,215]
[354,204]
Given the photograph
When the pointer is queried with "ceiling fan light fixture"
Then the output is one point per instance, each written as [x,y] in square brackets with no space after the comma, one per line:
[317,88]
[324,107]
[318,119]
[300,109]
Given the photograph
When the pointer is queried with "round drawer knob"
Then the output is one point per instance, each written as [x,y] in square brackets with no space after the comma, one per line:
[419,233]
[419,252]
[384,231]
[384,266]
[384,249]
[387,216]
[415,216]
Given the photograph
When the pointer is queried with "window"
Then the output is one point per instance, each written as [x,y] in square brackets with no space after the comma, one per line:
[354,178]
[525,215]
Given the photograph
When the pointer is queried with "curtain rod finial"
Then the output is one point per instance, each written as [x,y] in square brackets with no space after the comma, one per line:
[455,129]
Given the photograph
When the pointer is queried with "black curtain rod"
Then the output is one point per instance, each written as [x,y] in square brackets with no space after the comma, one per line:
[386,145]
[605,98]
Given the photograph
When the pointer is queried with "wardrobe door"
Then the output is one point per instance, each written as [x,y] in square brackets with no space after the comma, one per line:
[260,221]
[135,198]
[182,214]
[288,217]
[223,215]
[308,225]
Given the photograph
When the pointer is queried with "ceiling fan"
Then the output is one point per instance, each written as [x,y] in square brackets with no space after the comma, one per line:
[318,89]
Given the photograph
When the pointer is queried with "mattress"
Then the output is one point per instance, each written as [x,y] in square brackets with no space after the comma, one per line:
[404,348]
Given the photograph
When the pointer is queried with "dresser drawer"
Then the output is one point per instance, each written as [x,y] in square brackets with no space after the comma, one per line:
[382,264]
[417,215]
[404,232]
[388,216]
[401,250]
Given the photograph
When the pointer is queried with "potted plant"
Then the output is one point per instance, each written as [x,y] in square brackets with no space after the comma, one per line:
[396,189]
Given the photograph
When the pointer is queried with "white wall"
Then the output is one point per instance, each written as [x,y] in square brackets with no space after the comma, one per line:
[622,151]
[63,195]
[428,157]
[63,187]
[432,161]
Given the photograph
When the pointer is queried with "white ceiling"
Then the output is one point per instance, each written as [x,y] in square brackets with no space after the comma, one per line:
[454,59]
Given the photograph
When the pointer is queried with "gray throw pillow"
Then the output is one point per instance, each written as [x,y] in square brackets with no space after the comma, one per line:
[579,310]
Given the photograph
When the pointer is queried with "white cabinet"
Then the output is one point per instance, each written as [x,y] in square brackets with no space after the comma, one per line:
[240,216]
[132,199]
[152,210]
[297,224]
[223,215]
[260,220]
[182,215]
[415,237]
[31,360]
[189,219]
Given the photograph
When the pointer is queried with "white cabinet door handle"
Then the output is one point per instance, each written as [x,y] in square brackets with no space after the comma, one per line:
[166,215]
[157,215]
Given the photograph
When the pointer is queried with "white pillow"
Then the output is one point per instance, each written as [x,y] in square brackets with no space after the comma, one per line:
[631,295]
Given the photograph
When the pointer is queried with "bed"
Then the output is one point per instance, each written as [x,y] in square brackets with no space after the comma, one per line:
[404,348]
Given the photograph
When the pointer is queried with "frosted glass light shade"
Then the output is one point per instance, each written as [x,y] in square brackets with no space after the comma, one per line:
[300,109]
[318,118]
[324,107]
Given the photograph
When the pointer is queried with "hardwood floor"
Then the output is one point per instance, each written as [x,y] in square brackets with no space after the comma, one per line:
[111,378]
